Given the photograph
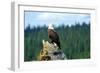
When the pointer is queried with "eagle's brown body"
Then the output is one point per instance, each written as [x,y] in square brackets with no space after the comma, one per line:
[54,37]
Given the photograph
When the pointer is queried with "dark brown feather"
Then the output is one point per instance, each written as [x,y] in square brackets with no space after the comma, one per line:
[54,37]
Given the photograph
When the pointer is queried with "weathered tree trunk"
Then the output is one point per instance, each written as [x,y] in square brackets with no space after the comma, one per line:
[51,52]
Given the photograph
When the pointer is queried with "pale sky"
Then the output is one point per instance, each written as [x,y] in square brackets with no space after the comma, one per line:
[35,19]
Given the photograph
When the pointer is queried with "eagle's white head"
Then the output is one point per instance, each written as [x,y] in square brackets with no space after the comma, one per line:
[50,26]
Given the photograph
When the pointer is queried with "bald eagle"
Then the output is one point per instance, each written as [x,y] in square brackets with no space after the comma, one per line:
[53,36]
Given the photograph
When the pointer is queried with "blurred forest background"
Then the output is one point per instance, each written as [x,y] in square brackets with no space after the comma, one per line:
[75,41]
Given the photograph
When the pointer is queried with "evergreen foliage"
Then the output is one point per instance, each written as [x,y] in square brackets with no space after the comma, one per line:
[75,41]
